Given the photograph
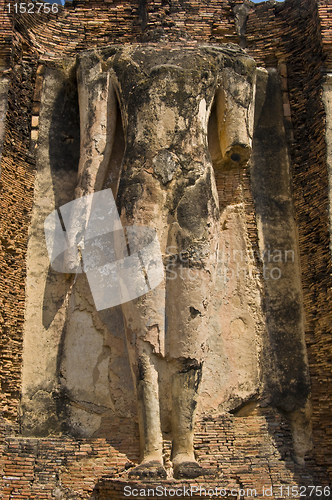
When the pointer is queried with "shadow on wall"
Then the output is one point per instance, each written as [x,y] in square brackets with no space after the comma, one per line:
[64,154]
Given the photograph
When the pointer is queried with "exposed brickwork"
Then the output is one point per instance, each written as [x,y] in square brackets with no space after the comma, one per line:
[17,184]
[87,24]
[6,23]
[296,37]
[247,453]
[325,19]
[293,41]
[311,205]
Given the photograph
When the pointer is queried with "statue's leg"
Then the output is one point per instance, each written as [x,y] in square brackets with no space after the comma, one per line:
[148,407]
[189,289]
[145,327]
[142,356]
[185,392]
[143,341]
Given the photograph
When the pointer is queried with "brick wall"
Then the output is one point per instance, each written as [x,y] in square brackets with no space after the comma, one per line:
[17,184]
[245,452]
[290,36]
[325,20]
[6,23]
[311,209]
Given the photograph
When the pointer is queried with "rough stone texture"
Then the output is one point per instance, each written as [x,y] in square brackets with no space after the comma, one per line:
[70,353]
[45,311]
[296,33]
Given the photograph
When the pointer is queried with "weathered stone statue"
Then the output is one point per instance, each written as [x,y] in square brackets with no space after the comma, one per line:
[166,182]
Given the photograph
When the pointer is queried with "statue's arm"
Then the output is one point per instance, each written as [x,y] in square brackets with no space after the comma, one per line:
[98,114]
[235,115]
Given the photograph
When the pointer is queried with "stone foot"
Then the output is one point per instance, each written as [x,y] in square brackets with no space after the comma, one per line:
[148,470]
[190,470]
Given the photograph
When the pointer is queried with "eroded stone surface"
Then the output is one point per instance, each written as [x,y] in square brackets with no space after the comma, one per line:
[165,165]
[202,330]
[148,470]
[166,97]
